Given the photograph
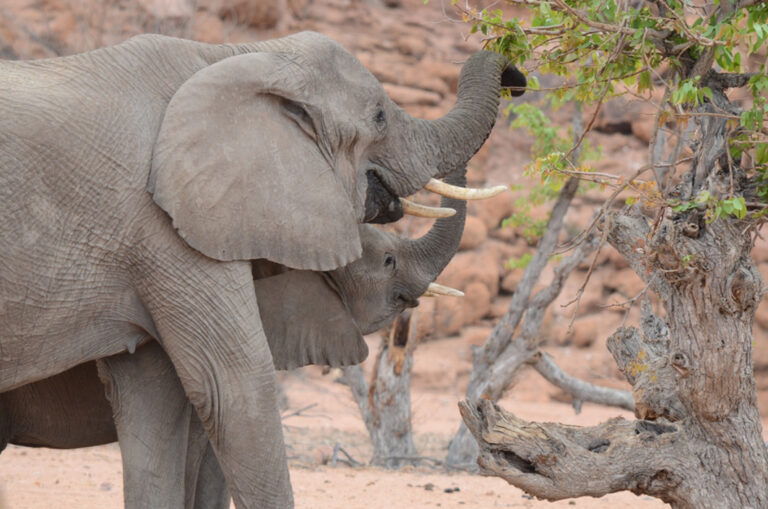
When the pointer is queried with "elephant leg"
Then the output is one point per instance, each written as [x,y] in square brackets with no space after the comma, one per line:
[207,318]
[205,485]
[152,416]
[211,486]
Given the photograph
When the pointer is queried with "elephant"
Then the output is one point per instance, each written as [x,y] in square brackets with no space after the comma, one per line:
[139,182]
[309,318]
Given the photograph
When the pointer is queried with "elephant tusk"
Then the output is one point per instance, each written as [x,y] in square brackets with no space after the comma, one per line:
[434,289]
[462,193]
[416,209]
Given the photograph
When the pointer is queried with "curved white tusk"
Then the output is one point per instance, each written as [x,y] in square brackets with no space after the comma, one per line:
[462,193]
[416,209]
[434,289]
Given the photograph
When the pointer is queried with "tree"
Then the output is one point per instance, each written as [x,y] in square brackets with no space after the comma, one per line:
[686,228]
[385,402]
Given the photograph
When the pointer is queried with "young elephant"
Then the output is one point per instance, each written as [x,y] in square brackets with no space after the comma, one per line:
[308,317]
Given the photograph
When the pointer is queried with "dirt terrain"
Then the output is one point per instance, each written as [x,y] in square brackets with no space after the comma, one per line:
[91,478]
[416,50]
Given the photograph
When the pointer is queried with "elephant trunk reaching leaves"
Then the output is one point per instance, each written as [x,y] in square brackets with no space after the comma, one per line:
[436,147]
[470,121]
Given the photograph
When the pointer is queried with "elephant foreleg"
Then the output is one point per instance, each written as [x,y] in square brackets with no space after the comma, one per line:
[212,333]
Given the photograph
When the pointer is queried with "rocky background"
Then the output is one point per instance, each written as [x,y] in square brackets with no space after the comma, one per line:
[416,51]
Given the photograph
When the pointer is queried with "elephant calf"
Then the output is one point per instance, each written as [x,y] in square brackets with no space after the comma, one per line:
[308,317]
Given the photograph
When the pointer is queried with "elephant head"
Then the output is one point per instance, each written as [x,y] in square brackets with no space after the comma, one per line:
[320,317]
[280,150]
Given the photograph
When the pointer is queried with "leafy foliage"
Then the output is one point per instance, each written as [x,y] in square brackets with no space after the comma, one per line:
[606,48]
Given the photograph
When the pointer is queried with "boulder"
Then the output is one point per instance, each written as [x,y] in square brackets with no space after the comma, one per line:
[511,280]
[499,307]
[449,316]
[476,334]
[425,317]
[493,210]
[585,331]
[481,265]
[253,13]
[404,95]
[626,282]
[167,9]
[476,303]
[475,233]
[207,27]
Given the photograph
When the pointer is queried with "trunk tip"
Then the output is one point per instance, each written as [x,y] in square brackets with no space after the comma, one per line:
[514,80]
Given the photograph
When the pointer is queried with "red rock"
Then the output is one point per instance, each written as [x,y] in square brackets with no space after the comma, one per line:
[446,71]
[164,9]
[481,265]
[476,334]
[511,280]
[411,45]
[477,303]
[208,27]
[449,316]
[760,252]
[425,325]
[475,233]
[615,258]
[585,331]
[403,95]
[626,282]
[493,210]
[500,306]
[254,13]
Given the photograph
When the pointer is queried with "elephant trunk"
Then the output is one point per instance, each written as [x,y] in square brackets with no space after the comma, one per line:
[462,132]
[433,148]
[436,248]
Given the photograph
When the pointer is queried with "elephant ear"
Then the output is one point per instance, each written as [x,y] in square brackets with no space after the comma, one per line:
[306,322]
[238,167]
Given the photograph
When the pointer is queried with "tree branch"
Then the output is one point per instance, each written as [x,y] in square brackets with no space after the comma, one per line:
[556,461]
[579,389]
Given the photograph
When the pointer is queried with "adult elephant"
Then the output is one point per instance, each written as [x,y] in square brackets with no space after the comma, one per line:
[309,318]
[137,181]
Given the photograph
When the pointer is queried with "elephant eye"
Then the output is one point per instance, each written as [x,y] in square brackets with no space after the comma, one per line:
[380,117]
[389,261]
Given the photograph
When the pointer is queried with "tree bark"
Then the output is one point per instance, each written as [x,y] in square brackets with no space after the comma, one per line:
[385,404]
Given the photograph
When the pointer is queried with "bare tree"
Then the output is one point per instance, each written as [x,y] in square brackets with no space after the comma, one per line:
[385,402]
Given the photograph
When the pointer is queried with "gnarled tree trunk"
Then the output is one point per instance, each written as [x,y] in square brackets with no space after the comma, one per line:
[698,441]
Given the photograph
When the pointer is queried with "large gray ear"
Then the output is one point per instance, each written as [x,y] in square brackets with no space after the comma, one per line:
[237,167]
[306,322]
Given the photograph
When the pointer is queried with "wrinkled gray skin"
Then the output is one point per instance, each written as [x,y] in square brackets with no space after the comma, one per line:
[309,318]
[137,181]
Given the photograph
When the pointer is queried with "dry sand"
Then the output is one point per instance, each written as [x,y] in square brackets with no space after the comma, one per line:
[92,478]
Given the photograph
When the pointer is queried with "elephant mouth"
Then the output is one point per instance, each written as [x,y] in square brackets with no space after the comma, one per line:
[382,205]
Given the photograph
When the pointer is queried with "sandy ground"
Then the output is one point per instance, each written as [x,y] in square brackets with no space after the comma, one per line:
[92,478]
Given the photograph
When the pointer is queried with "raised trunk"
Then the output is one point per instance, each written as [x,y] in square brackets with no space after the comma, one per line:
[435,249]
[470,121]
[422,149]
